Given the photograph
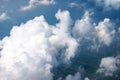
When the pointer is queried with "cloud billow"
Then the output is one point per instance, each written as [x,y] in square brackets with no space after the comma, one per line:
[29,53]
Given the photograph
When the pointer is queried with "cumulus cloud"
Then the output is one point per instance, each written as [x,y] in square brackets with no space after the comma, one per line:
[105,31]
[3,17]
[108,4]
[84,26]
[34,3]
[31,49]
[29,52]
[109,65]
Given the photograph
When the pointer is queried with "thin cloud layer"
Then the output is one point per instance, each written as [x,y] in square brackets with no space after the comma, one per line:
[34,3]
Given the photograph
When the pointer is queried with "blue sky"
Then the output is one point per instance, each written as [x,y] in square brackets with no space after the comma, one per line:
[67,39]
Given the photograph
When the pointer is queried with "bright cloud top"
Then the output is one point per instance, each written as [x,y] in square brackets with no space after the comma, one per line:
[34,3]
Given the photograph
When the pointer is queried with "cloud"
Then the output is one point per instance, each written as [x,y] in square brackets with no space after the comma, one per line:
[62,35]
[109,65]
[86,78]
[73,4]
[3,17]
[105,31]
[77,76]
[34,3]
[29,52]
[32,47]
[83,26]
[108,4]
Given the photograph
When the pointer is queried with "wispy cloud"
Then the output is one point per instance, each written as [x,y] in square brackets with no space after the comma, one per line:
[34,3]
[73,4]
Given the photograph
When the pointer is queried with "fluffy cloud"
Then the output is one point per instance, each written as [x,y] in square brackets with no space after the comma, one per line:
[29,52]
[86,28]
[108,4]
[34,3]
[83,26]
[109,65]
[31,49]
[105,31]
[3,17]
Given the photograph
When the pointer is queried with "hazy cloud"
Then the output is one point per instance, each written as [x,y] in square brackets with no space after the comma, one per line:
[3,17]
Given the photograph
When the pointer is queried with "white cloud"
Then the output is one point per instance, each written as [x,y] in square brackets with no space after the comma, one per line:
[77,76]
[105,31]
[29,52]
[108,4]
[34,3]
[62,36]
[109,65]
[3,17]
[31,48]
[84,26]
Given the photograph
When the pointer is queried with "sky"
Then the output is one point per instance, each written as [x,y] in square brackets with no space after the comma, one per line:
[59,39]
